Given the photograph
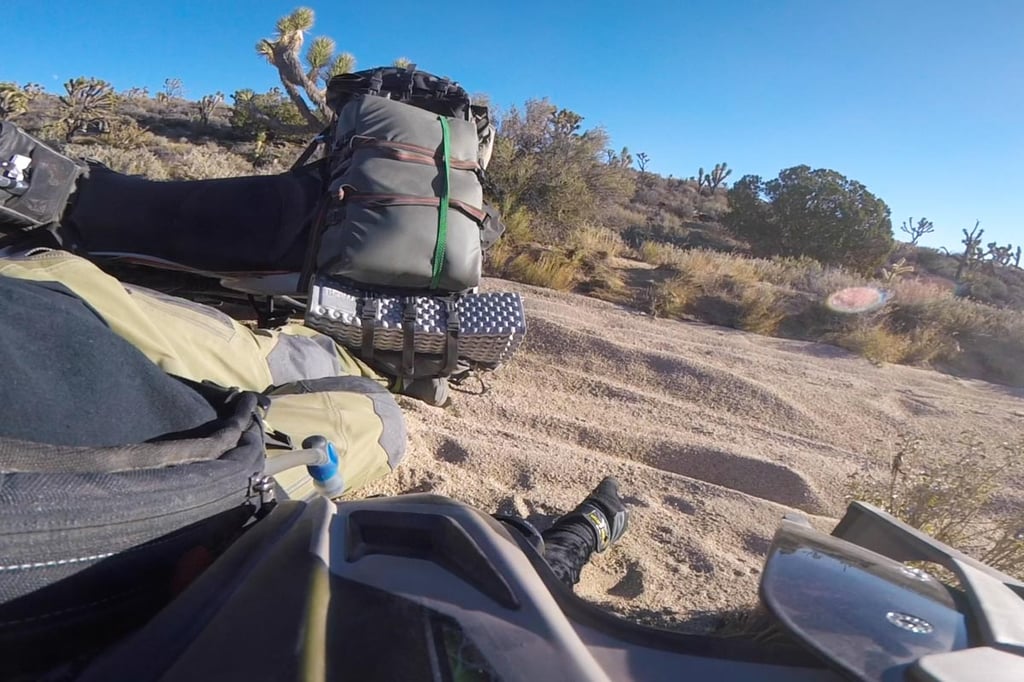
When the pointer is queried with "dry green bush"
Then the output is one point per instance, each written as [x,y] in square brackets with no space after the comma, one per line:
[13,100]
[621,218]
[923,324]
[209,161]
[592,248]
[551,269]
[131,162]
[873,341]
[126,133]
[581,263]
[761,309]
[673,297]
[954,500]
[596,242]
[658,254]
[919,292]
[972,338]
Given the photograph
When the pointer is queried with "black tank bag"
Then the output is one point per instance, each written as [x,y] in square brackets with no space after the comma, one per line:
[94,540]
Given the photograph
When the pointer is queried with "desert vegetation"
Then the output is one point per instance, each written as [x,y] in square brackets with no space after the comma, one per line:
[956,500]
[758,255]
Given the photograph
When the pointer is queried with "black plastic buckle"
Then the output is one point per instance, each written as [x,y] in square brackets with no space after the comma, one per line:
[368,318]
[409,336]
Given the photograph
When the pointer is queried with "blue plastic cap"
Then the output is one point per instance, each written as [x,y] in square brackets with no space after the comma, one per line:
[325,472]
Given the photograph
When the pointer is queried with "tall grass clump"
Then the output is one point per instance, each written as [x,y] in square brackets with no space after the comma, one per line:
[551,269]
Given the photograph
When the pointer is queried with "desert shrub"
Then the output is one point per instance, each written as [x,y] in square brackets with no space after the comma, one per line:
[125,133]
[13,100]
[593,248]
[817,213]
[86,100]
[131,162]
[550,269]
[990,283]
[811,276]
[919,292]
[266,112]
[973,338]
[672,298]
[581,263]
[591,242]
[545,163]
[954,499]
[657,253]
[761,309]
[621,218]
[874,341]
[209,161]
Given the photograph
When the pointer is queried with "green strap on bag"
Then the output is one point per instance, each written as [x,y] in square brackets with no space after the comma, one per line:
[442,208]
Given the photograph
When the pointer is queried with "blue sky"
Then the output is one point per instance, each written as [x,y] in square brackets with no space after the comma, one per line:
[922,101]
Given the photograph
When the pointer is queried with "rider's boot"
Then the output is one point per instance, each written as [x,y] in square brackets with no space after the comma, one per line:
[593,526]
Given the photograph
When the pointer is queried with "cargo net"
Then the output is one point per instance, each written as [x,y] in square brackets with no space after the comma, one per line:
[482,330]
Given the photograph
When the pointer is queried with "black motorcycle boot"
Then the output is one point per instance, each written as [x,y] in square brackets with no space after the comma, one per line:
[593,526]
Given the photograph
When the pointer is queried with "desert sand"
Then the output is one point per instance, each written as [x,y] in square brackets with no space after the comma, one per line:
[713,433]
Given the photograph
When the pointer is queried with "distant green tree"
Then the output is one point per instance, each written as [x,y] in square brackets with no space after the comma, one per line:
[816,213]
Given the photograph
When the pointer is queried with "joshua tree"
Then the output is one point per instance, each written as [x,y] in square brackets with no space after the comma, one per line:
[403,63]
[88,100]
[641,161]
[707,184]
[918,230]
[897,271]
[173,88]
[283,52]
[136,93]
[13,100]
[621,159]
[207,105]
[972,254]
[32,90]
[1003,255]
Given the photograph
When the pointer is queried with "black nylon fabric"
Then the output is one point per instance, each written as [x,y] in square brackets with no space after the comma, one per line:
[67,379]
[419,88]
[258,223]
[567,549]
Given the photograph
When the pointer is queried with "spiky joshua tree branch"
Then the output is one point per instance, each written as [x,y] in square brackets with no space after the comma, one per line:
[284,51]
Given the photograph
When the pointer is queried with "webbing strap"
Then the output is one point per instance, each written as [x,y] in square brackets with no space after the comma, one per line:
[409,338]
[451,350]
[368,318]
[442,207]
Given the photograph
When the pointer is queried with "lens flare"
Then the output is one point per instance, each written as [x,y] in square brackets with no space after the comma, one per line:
[857,300]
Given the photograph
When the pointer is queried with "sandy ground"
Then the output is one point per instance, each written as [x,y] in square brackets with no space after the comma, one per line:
[714,434]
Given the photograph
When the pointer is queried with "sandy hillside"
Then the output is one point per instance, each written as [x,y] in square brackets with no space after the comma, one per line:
[714,434]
